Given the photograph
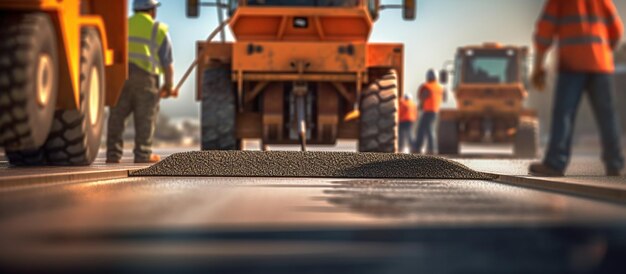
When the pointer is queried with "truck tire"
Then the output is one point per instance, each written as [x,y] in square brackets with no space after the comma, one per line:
[76,134]
[28,84]
[218,113]
[527,138]
[26,157]
[448,137]
[379,115]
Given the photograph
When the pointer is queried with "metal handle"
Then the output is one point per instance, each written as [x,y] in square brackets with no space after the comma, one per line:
[195,62]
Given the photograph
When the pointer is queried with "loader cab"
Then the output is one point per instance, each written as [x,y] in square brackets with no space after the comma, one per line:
[491,64]
[489,71]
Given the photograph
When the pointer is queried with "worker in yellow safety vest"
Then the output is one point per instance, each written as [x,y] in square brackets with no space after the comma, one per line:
[150,57]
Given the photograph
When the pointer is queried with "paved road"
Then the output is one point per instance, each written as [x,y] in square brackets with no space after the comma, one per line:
[248,225]
[244,224]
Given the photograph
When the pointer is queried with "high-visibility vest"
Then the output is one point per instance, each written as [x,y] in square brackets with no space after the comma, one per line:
[433,102]
[584,31]
[408,111]
[145,37]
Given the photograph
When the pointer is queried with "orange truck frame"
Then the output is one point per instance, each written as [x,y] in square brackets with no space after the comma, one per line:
[68,59]
[300,74]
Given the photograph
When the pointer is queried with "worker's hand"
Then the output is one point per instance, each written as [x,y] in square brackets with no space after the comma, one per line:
[164,93]
[174,93]
[538,79]
[168,91]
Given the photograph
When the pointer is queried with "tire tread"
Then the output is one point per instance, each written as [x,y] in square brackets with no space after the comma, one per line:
[379,115]
[526,144]
[448,141]
[218,111]
[20,41]
[68,143]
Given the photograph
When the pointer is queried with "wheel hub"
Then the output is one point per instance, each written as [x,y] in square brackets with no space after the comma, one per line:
[94,96]
[45,76]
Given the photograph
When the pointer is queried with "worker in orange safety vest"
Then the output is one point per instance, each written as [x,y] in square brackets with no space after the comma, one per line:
[408,117]
[431,95]
[585,33]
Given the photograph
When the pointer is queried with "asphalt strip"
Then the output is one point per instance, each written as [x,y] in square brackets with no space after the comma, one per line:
[309,164]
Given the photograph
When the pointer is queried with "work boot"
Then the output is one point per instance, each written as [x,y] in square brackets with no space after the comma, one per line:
[152,160]
[613,172]
[543,170]
[113,161]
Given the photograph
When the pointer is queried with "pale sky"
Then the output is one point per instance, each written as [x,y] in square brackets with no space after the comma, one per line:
[441,26]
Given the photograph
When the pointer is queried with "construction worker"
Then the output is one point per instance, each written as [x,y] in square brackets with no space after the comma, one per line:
[408,117]
[431,95]
[586,33]
[150,56]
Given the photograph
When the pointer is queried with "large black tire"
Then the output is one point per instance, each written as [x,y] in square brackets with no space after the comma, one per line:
[219,110]
[379,115]
[76,134]
[28,85]
[527,138]
[448,137]
[26,157]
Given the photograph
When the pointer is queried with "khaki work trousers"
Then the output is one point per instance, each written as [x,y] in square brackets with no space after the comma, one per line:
[139,97]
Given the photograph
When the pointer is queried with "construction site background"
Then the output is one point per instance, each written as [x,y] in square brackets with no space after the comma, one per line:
[178,122]
[519,24]
[436,19]
[184,131]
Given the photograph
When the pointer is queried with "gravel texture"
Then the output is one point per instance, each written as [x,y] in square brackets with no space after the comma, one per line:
[309,164]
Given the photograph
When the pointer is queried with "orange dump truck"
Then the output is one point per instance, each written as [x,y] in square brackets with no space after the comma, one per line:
[61,61]
[490,87]
[298,73]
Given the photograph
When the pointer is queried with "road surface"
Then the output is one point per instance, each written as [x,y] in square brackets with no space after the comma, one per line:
[304,225]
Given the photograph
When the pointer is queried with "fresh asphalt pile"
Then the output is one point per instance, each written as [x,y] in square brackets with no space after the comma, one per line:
[309,164]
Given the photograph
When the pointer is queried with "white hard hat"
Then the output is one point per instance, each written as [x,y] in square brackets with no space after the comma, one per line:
[145,4]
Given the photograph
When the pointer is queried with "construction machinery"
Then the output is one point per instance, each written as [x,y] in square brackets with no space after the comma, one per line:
[490,87]
[300,72]
[61,61]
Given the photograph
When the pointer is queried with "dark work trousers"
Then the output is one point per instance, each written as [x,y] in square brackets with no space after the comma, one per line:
[569,90]
[406,132]
[426,132]
[139,97]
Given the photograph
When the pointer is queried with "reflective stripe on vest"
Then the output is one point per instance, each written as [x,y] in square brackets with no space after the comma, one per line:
[577,19]
[585,31]
[581,40]
[144,40]
[543,41]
